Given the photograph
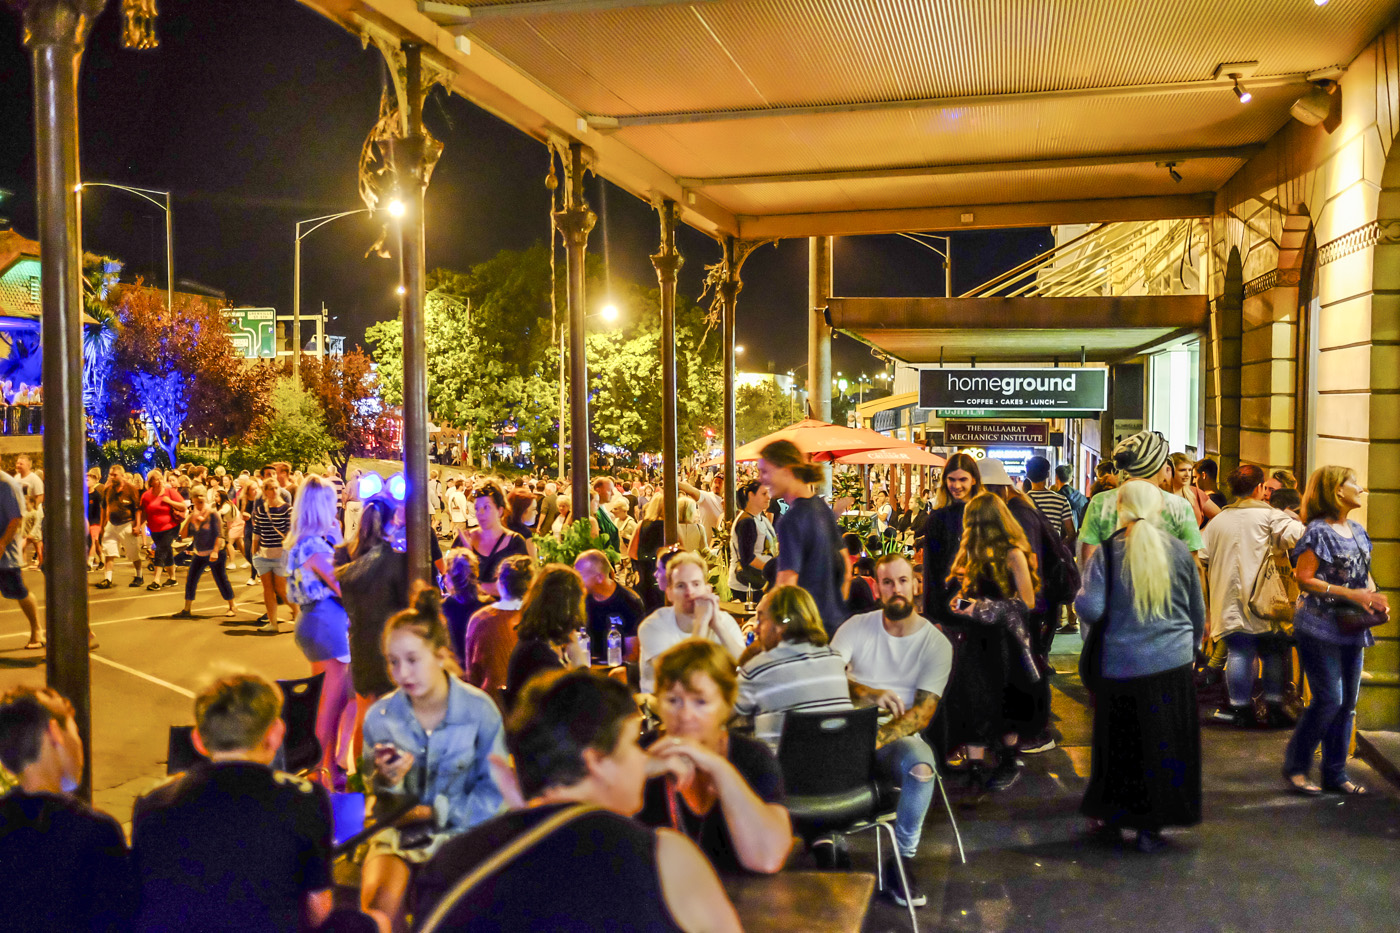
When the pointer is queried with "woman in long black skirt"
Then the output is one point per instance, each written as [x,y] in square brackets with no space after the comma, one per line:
[1142,597]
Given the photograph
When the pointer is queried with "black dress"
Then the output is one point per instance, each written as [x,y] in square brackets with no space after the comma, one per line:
[990,691]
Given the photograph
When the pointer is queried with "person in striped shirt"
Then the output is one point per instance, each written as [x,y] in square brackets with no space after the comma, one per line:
[797,669]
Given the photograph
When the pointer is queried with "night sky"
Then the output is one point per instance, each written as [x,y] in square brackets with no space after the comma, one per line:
[253,114]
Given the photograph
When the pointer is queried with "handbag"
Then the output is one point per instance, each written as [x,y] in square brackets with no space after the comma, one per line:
[1275,590]
[1352,619]
[499,860]
[1091,657]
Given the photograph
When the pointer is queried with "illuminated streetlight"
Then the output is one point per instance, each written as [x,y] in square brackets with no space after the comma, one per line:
[396,207]
[738,349]
[401,290]
[609,312]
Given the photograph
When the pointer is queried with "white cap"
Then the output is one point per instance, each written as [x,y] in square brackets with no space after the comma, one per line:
[993,472]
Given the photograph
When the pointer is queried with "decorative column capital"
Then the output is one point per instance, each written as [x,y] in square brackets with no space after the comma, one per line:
[729,291]
[667,265]
[57,22]
[576,223]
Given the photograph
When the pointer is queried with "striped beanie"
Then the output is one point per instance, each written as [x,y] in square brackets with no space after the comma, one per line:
[1142,455]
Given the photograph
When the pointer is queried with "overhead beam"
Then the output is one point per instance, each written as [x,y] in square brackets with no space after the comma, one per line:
[466,13]
[1240,153]
[603,122]
[976,216]
[871,315]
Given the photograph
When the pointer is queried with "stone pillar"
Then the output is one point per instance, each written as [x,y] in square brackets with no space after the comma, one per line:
[667,260]
[575,222]
[55,31]
[819,336]
[407,153]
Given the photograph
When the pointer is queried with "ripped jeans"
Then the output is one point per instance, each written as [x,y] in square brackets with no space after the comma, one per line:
[897,760]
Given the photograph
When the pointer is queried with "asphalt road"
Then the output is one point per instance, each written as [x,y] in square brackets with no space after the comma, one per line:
[148,667]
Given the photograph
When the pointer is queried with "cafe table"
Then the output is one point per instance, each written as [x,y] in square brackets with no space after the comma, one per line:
[811,901]
[737,610]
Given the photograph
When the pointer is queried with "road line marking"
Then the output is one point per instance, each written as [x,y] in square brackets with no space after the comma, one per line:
[148,617]
[144,676]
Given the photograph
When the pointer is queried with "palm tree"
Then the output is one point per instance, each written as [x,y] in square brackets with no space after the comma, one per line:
[100,275]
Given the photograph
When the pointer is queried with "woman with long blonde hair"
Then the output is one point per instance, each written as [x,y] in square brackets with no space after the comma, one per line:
[994,578]
[1142,599]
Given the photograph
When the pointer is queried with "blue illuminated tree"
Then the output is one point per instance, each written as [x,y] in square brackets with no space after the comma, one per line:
[99,278]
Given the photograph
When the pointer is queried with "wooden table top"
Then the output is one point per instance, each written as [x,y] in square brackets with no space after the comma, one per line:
[812,901]
[737,610]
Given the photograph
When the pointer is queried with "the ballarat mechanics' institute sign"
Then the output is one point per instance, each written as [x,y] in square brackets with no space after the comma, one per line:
[1012,390]
[982,433]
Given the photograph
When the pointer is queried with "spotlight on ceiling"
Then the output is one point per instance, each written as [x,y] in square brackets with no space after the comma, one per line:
[1320,2]
[1314,106]
[1244,96]
[1171,170]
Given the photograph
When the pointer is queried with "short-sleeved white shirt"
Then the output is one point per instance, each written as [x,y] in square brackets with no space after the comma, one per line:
[882,661]
[659,631]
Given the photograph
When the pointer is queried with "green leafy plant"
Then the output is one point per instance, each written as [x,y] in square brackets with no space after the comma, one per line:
[577,538]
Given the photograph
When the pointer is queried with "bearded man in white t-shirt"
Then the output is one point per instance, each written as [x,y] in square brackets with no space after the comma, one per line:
[897,660]
[693,612]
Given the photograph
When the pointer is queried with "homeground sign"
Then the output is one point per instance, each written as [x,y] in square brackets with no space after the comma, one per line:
[1043,391]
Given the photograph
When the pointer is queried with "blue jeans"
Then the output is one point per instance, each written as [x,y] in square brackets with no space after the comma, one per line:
[1239,670]
[898,760]
[1334,674]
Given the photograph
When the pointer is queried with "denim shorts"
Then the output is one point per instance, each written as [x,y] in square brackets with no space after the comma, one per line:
[274,565]
[323,631]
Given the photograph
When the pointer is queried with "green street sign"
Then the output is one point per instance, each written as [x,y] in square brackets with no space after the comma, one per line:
[253,331]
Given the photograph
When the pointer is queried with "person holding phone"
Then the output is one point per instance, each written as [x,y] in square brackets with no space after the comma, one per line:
[693,613]
[429,741]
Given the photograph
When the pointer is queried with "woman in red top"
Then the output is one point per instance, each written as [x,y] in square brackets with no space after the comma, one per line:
[162,510]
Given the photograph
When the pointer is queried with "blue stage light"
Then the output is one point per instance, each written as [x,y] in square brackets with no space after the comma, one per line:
[397,487]
[368,485]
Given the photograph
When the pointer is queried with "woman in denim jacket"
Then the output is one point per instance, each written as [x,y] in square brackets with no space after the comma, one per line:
[431,739]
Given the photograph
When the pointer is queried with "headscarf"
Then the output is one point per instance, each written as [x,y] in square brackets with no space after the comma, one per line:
[1142,455]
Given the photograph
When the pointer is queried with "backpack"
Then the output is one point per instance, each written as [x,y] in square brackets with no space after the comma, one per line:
[1059,578]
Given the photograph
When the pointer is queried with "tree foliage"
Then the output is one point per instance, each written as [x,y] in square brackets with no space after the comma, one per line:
[346,388]
[177,367]
[295,429]
[493,359]
[760,409]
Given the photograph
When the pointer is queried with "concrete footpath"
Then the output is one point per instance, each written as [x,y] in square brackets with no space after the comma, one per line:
[1262,859]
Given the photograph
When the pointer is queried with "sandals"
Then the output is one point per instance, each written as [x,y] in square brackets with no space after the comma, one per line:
[34,644]
[1347,788]
[1300,785]
[152,585]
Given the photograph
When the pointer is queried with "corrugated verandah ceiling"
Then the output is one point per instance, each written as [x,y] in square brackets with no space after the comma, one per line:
[799,117]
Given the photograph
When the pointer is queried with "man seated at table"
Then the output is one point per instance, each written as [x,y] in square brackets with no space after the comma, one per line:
[232,844]
[896,659]
[693,613]
[65,867]
[573,741]
[609,604]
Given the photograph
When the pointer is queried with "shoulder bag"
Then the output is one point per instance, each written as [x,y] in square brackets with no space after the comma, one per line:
[500,859]
[1275,591]
[1091,657]
[1352,619]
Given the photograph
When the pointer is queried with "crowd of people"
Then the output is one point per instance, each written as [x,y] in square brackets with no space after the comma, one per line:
[517,715]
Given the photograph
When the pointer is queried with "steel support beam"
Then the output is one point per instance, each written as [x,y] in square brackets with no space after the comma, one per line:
[1238,153]
[55,31]
[667,260]
[729,299]
[575,222]
[819,281]
[409,167]
[977,216]
[1223,85]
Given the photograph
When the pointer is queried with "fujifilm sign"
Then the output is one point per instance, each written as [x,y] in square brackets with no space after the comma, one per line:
[1014,390]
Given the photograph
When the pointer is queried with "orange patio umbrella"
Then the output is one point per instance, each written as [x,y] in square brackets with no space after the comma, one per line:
[910,454]
[822,441]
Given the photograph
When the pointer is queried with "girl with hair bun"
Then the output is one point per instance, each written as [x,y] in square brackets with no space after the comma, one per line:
[810,554]
[430,740]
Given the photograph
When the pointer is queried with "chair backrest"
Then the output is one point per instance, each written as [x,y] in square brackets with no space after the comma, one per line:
[828,753]
[180,753]
[300,699]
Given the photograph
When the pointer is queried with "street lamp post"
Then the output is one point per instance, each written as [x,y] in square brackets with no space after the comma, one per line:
[144,193]
[946,252]
[395,208]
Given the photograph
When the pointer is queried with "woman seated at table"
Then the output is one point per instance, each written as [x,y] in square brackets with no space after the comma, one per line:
[723,791]
[693,613]
[551,616]
[797,669]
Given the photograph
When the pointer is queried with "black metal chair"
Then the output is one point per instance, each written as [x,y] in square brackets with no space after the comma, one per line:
[300,699]
[180,753]
[828,765]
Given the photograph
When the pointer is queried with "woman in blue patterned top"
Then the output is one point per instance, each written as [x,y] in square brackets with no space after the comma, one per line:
[322,627]
[1334,563]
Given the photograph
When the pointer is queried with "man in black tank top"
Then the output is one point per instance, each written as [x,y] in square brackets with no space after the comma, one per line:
[579,773]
